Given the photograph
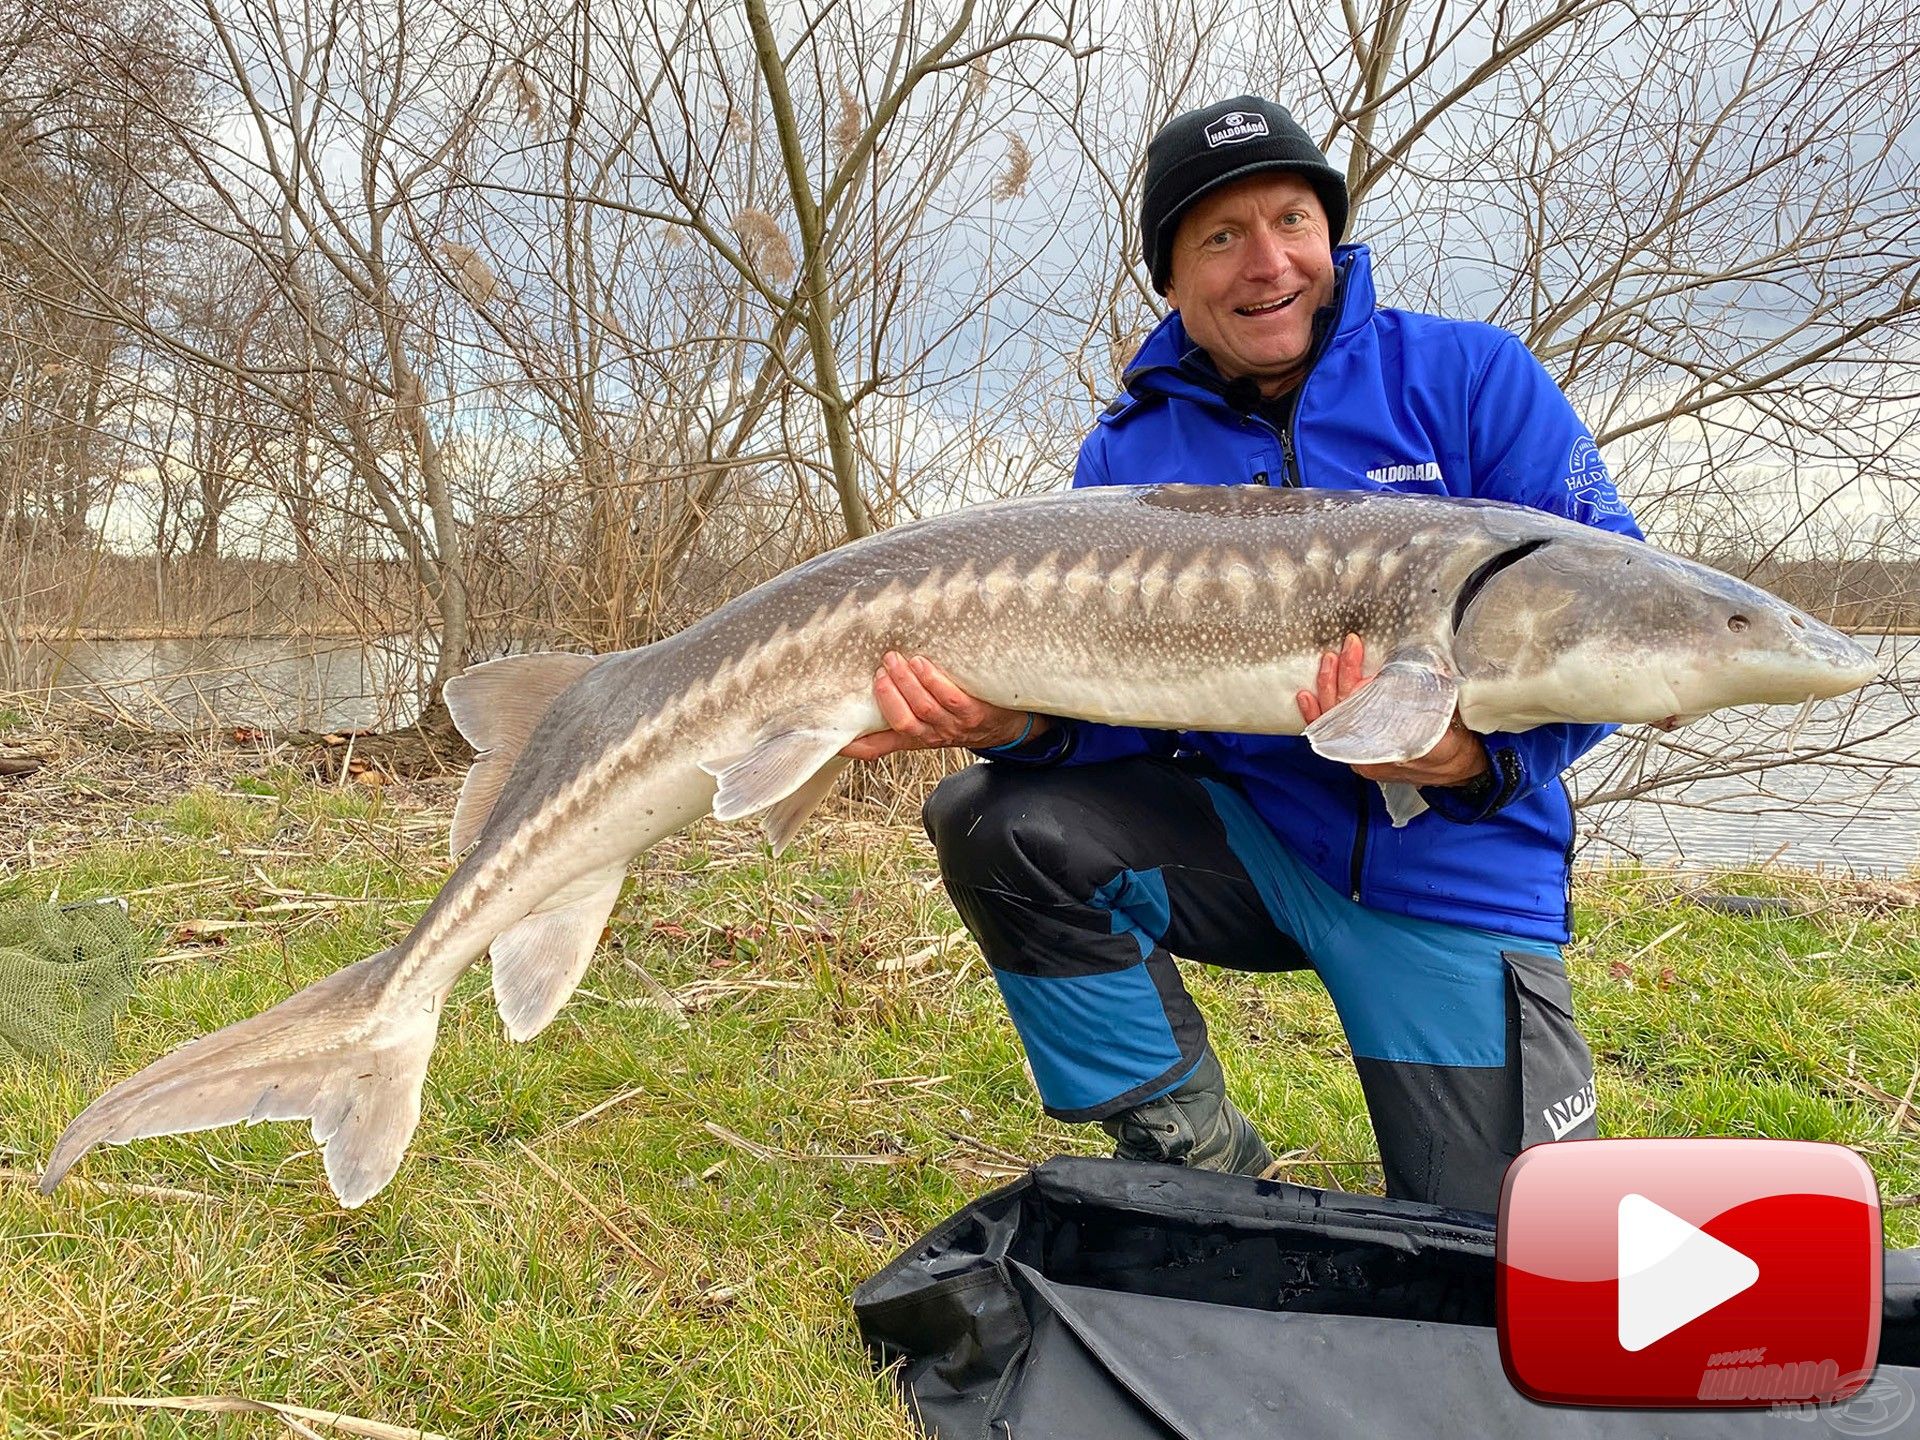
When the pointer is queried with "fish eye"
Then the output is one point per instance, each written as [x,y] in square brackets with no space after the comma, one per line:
[1737,623]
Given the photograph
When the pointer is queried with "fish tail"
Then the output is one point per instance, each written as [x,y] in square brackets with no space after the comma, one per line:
[348,1054]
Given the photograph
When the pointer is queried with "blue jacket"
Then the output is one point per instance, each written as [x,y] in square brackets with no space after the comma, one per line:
[1394,401]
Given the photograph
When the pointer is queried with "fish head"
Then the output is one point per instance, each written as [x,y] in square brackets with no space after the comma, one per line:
[1607,629]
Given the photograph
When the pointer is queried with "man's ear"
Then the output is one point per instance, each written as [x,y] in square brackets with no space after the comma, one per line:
[1173,301]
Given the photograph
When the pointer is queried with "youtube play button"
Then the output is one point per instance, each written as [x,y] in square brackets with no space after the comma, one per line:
[1670,1272]
[1689,1272]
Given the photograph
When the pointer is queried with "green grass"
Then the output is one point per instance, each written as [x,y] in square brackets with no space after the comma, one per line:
[852,1106]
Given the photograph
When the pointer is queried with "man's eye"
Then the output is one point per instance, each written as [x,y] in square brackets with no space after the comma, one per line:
[1219,238]
[1293,217]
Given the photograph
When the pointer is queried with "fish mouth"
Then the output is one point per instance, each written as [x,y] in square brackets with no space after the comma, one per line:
[1263,308]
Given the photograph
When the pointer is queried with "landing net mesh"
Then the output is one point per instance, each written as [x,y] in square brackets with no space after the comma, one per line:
[67,972]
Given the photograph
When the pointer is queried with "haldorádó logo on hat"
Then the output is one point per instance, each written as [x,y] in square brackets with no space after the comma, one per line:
[1234,127]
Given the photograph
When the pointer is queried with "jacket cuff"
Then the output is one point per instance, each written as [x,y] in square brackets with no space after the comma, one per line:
[1048,749]
[1484,795]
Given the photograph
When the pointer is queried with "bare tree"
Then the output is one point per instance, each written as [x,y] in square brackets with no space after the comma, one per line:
[1703,220]
[591,316]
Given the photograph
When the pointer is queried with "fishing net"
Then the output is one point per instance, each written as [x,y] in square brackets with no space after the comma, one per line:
[66,974]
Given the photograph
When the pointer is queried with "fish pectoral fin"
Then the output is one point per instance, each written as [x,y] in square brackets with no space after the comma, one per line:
[782,764]
[538,962]
[1404,802]
[495,707]
[784,820]
[1398,715]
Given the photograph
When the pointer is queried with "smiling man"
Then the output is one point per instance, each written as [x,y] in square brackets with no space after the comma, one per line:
[1084,857]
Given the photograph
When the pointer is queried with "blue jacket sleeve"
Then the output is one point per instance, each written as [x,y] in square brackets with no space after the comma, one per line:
[1087,742]
[1526,445]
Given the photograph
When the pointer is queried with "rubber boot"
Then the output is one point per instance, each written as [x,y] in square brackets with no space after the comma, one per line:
[1193,1124]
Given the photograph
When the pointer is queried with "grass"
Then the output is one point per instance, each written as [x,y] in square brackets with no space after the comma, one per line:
[648,1221]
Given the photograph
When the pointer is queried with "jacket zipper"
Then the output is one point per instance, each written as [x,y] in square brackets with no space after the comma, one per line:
[1291,472]
[1567,796]
[1358,865]
[1289,462]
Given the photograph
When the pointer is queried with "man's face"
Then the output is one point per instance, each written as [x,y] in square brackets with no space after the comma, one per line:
[1252,261]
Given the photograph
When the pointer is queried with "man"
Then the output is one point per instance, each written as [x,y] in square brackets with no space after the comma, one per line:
[1083,857]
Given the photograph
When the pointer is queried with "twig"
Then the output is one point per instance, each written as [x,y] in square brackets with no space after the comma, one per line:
[761,1152]
[601,1108]
[1656,942]
[292,1415]
[923,955]
[1902,1117]
[1007,1156]
[179,885]
[1906,1101]
[106,1187]
[619,1236]
[740,1142]
[1293,1159]
[663,998]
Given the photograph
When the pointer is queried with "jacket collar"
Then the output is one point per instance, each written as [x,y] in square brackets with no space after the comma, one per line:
[1169,363]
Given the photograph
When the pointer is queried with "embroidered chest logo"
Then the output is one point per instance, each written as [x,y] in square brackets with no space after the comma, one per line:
[1425,473]
[1233,127]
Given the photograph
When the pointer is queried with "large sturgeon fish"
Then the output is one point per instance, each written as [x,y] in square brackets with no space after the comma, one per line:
[1203,608]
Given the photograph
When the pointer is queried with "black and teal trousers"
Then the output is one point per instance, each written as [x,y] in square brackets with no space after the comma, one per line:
[1081,884]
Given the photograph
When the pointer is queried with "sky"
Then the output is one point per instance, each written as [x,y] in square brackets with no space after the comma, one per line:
[1007,382]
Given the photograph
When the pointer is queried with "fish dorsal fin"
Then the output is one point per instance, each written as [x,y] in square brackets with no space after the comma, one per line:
[784,762]
[538,962]
[496,706]
[1398,715]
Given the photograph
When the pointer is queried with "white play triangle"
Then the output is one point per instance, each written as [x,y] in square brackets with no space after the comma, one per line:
[1671,1272]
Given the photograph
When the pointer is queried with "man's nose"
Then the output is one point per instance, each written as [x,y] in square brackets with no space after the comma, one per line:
[1266,254]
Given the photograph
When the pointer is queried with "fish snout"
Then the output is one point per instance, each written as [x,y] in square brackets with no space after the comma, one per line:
[1809,657]
[1851,663]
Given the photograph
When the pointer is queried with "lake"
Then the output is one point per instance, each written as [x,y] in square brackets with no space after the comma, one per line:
[1844,799]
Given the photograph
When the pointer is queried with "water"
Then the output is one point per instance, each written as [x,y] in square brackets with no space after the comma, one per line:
[271,682]
[1849,802]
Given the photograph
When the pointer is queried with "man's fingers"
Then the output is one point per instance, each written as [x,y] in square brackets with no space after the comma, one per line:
[1353,662]
[925,708]
[1327,682]
[949,695]
[893,706]
[872,747]
[1309,706]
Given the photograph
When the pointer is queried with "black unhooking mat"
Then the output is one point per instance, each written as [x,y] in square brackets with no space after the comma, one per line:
[1119,1301]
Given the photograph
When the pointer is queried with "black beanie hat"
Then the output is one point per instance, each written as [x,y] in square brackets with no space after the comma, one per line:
[1204,149]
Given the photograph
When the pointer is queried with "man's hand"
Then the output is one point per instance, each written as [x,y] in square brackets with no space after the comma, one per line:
[926,710]
[1458,757]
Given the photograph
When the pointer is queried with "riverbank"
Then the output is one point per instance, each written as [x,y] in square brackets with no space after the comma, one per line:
[214,630]
[777,1074]
[55,591]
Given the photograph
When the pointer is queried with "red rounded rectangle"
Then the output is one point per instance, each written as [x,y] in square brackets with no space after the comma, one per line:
[1689,1273]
